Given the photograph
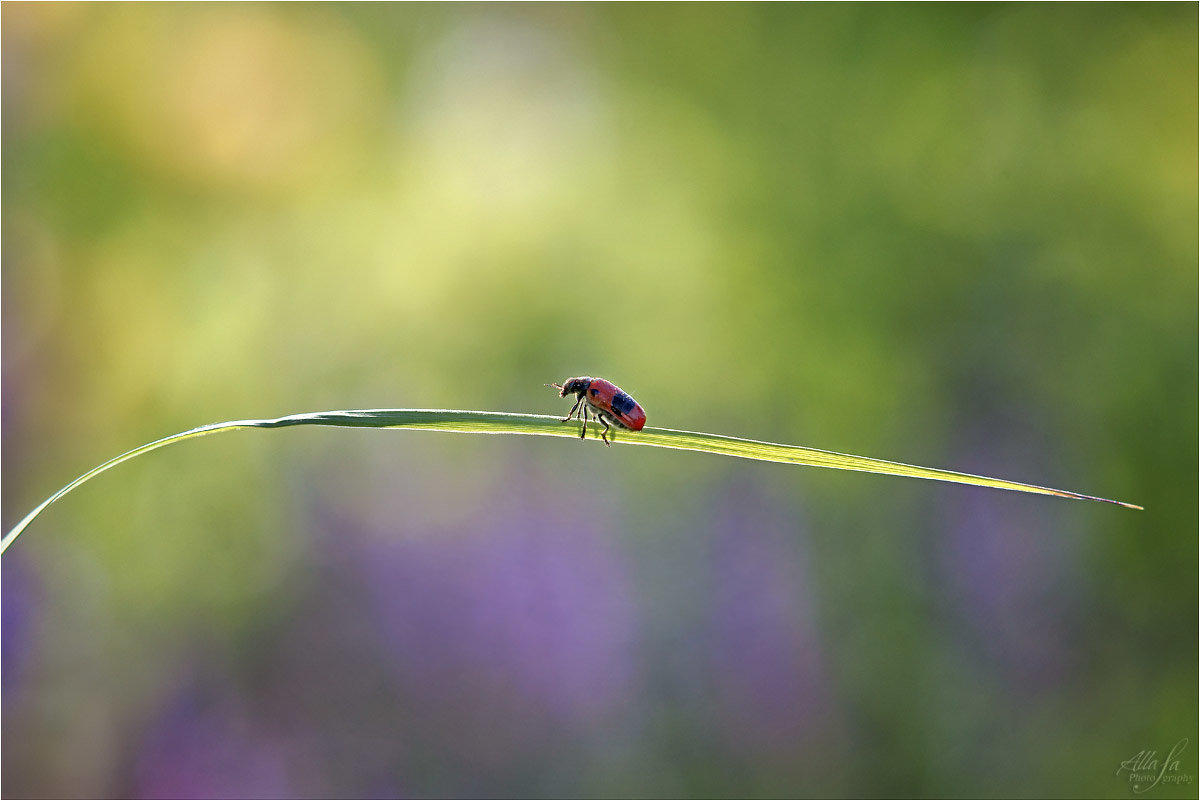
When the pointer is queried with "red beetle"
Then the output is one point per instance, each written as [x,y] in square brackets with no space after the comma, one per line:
[606,401]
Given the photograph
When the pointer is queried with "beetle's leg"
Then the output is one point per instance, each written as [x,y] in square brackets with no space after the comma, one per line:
[571,413]
[604,433]
[583,412]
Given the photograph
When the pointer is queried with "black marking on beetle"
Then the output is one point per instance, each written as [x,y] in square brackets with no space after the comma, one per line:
[595,391]
[622,404]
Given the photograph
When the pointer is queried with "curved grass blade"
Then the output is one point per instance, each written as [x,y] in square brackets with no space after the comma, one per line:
[471,422]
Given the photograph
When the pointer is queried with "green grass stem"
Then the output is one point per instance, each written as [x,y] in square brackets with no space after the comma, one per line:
[470,422]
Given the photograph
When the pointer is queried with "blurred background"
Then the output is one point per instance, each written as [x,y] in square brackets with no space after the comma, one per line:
[962,237]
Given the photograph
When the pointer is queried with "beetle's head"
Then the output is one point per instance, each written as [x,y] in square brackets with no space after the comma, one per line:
[573,385]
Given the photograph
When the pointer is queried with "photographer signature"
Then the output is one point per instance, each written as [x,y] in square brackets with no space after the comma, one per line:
[1147,771]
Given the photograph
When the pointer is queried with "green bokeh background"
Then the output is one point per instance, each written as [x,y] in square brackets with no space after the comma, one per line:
[959,236]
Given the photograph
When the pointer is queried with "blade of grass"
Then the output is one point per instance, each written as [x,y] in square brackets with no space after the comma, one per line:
[471,422]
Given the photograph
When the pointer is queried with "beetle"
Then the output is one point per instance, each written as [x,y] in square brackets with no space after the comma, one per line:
[605,400]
